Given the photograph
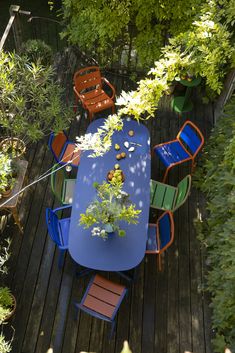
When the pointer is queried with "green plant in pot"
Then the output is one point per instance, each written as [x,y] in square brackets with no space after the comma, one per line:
[111,206]
[30,100]
[7,174]
[5,347]
[7,304]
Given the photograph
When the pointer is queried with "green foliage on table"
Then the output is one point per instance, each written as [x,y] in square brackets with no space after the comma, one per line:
[216,177]
[111,206]
[30,99]
[37,50]
[107,28]
[6,172]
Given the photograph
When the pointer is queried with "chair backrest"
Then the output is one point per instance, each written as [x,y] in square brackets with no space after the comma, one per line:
[57,181]
[53,226]
[165,231]
[191,137]
[56,144]
[87,78]
[183,189]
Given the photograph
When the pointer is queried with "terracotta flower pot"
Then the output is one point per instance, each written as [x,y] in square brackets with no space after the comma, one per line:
[9,316]
[13,146]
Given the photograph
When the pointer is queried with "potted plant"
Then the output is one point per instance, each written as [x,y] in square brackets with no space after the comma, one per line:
[111,206]
[7,304]
[30,101]
[7,175]
[5,347]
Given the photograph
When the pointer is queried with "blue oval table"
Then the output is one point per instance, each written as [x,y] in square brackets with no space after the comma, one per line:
[116,253]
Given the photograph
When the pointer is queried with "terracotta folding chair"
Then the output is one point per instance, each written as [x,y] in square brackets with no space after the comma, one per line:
[89,89]
[102,299]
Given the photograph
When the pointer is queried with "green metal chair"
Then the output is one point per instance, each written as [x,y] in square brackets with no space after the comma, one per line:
[62,187]
[166,197]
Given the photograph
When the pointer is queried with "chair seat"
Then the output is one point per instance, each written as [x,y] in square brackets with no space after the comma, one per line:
[97,100]
[64,224]
[162,196]
[151,244]
[102,297]
[70,154]
[68,189]
[171,153]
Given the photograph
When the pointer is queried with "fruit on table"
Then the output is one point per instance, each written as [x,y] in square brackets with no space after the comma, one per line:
[117,147]
[118,156]
[131,133]
[117,166]
[116,174]
[123,154]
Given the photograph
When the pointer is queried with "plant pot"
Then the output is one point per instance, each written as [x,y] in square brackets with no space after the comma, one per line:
[8,317]
[13,146]
[7,192]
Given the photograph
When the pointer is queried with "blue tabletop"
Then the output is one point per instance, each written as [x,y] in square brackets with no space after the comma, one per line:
[116,253]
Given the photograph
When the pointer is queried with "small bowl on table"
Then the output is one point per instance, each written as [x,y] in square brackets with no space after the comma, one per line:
[111,175]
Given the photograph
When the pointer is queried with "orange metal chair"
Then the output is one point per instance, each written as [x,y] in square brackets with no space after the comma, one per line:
[88,88]
[185,147]
[160,235]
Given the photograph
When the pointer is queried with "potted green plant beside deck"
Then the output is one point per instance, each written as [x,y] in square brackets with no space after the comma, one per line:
[31,104]
[111,206]
[8,174]
[7,304]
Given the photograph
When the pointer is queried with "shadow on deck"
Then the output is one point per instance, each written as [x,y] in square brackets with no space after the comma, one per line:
[164,312]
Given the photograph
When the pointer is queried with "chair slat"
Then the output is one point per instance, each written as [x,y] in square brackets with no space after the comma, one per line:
[104,294]
[169,198]
[159,195]
[68,189]
[105,283]
[58,143]
[98,306]
[190,138]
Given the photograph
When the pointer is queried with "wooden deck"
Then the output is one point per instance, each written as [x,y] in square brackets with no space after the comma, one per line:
[164,312]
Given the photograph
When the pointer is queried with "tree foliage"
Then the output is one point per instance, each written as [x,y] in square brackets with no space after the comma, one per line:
[108,26]
[216,177]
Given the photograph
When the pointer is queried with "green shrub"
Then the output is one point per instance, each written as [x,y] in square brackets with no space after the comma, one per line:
[5,347]
[216,177]
[6,303]
[37,51]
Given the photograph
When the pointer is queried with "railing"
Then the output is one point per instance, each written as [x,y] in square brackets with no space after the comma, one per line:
[23,26]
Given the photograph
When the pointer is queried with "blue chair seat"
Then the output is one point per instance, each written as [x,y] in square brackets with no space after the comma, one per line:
[171,153]
[152,239]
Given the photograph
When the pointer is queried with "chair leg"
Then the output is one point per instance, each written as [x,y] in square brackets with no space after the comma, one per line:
[75,107]
[159,262]
[61,259]
[76,311]
[166,174]
[112,329]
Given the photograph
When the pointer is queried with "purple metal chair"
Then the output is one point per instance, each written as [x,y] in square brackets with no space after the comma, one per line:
[102,299]
[58,230]
[64,150]
[184,148]
[160,235]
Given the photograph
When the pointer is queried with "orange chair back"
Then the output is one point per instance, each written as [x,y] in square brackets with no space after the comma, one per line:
[87,78]
[58,143]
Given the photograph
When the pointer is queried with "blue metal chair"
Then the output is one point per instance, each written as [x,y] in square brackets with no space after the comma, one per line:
[184,148]
[58,230]
[102,299]
[64,150]
[160,235]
